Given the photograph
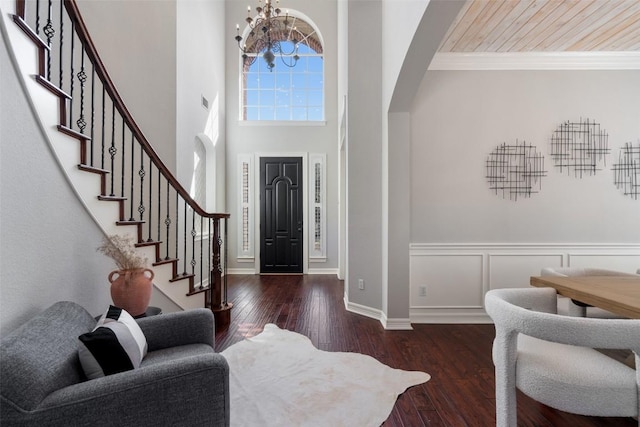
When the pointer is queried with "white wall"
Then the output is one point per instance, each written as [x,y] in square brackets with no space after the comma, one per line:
[459,117]
[46,254]
[200,43]
[276,139]
[136,40]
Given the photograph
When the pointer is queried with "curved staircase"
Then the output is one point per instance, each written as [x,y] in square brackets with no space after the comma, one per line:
[111,165]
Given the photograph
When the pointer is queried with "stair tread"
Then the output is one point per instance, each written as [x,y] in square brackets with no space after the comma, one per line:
[73,133]
[197,291]
[92,169]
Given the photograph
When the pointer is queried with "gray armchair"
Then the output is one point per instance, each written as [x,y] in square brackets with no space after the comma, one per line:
[181,381]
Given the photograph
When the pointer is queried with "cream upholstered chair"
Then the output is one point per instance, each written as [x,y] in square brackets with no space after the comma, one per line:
[551,359]
[568,307]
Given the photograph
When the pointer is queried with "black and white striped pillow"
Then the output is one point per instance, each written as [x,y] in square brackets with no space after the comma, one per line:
[116,344]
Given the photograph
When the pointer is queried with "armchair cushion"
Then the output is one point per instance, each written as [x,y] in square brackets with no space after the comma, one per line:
[116,344]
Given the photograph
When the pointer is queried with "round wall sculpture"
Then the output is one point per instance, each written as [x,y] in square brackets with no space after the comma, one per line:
[579,148]
[626,172]
[515,170]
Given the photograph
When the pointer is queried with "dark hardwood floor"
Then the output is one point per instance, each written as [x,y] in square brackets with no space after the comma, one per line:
[458,357]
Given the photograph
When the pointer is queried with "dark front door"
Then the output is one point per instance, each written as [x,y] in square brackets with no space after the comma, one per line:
[281,215]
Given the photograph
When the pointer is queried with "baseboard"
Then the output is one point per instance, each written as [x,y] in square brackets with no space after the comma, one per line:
[449,318]
[363,310]
[333,271]
[241,271]
[396,324]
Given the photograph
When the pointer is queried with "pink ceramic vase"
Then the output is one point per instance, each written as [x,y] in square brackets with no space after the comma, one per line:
[131,289]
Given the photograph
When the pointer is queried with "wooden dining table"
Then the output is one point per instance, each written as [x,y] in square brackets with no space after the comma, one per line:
[617,294]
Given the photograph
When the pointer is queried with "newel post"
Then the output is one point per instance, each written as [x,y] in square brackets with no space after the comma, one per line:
[218,303]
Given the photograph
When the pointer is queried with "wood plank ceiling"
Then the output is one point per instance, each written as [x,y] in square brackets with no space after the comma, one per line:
[545,26]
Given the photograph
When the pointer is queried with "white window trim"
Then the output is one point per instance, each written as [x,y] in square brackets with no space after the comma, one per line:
[317,254]
[245,254]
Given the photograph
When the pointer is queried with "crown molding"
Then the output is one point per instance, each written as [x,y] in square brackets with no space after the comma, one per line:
[535,61]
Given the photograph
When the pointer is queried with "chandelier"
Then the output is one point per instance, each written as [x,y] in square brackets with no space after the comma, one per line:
[268,30]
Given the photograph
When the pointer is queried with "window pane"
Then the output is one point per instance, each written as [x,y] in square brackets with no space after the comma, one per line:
[282,113]
[298,80]
[267,80]
[315,63]
[282,99]
[252,113]
[315,113]
[304,49]
[252,97]
[314,98]
[299,114]
[267,98]
[252,81]
[314,80]
[267,113]
[299,98]
[283,81]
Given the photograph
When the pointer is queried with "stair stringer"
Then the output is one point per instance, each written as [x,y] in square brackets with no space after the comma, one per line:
[85,185]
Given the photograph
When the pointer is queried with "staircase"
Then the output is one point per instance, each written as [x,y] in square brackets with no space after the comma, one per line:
[112,167]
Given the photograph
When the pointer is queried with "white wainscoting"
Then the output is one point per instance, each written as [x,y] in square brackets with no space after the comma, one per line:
[448,281]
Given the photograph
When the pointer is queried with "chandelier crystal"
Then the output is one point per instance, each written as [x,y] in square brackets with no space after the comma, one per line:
[267,31]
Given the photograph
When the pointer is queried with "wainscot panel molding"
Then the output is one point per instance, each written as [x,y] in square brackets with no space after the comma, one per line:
[448,281]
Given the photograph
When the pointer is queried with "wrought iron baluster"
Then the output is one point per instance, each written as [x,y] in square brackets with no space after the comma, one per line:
[209,259]
[167,221]
[82,78]
[159,210]
[201,251]
[102,127]
[141,174]
[149,239]
[193,241]
[112,149]
[61,43]
[71,75]
[177,242]
[122,174]
[37,15]
[131,176]
[49,31]
[93,109]
[224,277]
[184,240]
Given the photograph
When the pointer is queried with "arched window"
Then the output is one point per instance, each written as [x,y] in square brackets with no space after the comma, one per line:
[288,82]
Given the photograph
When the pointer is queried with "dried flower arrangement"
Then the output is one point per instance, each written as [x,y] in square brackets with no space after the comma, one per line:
[123,251]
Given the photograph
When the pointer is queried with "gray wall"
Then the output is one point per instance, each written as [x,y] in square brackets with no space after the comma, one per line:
[47,248]
[459,117]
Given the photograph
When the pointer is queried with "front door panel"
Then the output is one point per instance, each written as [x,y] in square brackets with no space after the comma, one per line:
[281,215]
